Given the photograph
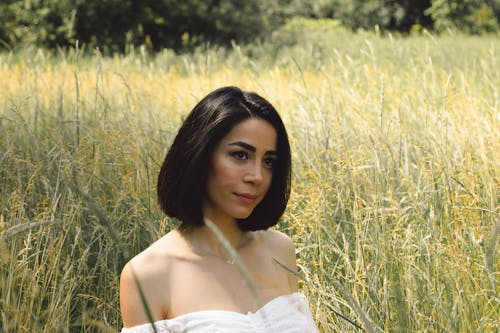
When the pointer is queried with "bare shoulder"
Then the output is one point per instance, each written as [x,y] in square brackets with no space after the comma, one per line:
[283,252]
[144,283]
[280,242]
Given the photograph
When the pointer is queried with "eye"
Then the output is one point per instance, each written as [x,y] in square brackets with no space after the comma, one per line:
[269,162]
[240,155]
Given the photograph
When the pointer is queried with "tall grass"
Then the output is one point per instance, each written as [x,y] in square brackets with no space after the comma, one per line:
[395,203]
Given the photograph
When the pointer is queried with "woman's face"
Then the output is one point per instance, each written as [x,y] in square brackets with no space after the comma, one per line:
[241,171]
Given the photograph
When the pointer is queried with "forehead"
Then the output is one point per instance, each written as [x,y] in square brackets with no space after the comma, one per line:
[255,131]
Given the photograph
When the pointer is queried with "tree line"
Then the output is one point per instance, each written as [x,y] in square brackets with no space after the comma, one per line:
[183,24]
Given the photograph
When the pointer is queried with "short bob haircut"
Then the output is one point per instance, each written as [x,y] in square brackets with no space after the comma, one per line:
[183,175]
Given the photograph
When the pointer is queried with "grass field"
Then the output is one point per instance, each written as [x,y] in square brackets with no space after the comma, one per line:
[395,208]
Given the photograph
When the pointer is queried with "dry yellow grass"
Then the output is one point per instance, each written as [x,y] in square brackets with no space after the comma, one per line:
[395,204]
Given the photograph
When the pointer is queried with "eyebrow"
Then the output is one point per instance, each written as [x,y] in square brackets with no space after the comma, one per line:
[251,148]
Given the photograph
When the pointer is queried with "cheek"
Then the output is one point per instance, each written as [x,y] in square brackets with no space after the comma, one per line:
[222,172]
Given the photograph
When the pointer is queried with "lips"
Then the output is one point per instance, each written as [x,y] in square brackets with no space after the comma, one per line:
[246,197]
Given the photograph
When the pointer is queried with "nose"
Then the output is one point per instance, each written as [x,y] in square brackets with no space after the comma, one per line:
[254,174]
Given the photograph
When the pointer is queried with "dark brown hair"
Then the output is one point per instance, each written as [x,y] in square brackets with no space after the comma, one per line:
[183,175]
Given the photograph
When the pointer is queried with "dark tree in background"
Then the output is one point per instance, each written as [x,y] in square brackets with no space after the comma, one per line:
[116,23]
[167,23]
[105,22]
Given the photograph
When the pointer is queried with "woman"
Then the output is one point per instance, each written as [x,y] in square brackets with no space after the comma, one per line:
[226,177]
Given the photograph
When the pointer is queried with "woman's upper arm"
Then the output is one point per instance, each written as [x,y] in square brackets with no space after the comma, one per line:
[293,280]
[130,301]
[286,256]
[132,306]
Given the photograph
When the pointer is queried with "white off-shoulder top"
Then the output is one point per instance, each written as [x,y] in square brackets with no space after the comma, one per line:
[283,314]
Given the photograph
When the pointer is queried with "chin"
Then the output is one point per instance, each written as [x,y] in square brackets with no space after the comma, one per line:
[242,216]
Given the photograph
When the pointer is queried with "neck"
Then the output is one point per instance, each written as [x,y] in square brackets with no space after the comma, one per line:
[204,241]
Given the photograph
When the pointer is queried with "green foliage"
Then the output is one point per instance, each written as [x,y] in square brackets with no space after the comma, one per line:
[115,24]
[473,16]
[118,25]
[386,14]
[49,23]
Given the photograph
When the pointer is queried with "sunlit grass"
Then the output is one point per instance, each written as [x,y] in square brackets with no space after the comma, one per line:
[395,203]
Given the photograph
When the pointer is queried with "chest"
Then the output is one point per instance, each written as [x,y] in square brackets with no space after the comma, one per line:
[211,283]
